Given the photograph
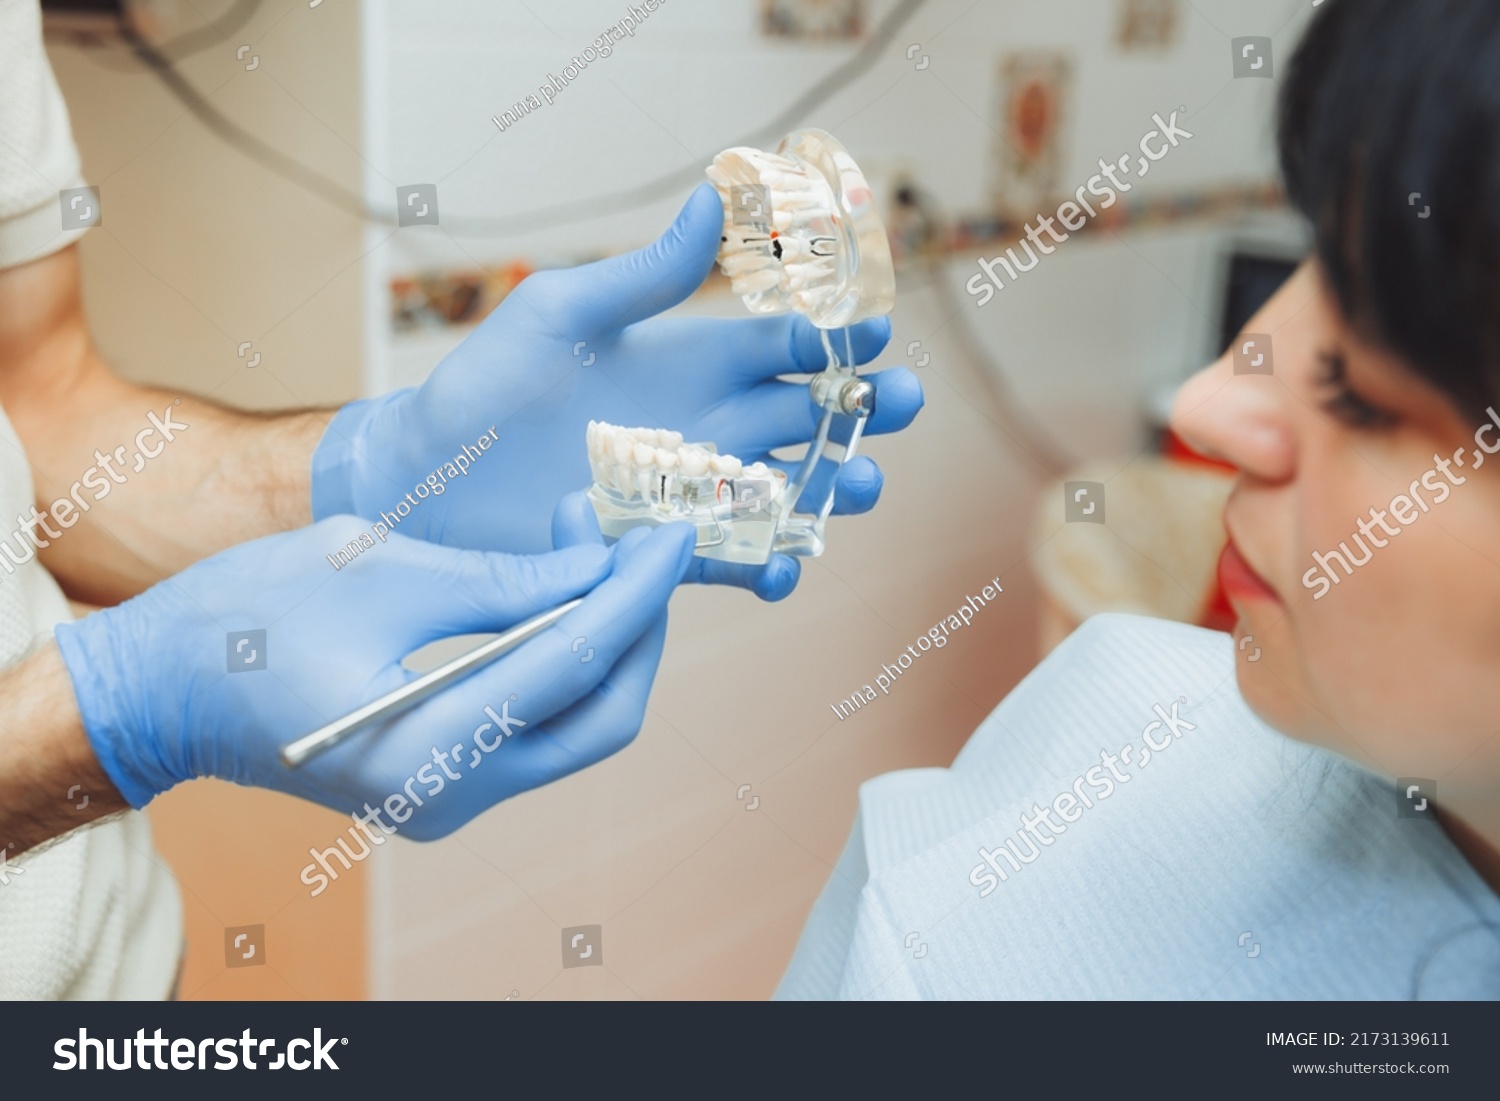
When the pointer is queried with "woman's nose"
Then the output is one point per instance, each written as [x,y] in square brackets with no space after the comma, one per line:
[1238,419]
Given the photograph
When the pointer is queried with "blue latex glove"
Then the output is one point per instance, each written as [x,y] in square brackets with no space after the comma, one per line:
[572,345]
[159,707]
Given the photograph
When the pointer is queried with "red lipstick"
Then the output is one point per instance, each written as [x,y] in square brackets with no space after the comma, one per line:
[1239,581]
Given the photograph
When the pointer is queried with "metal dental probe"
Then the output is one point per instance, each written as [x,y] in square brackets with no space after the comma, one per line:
[326,737]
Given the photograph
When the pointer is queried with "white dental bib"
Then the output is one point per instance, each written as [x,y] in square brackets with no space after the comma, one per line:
[1233,864]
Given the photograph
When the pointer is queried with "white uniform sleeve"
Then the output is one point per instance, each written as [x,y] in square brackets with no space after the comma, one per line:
[38,159]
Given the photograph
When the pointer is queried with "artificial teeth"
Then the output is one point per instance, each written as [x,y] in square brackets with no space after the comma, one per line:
[746,262]
[755,281]
[725,466]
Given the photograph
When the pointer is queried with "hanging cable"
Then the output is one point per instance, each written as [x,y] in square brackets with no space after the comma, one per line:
[162,64]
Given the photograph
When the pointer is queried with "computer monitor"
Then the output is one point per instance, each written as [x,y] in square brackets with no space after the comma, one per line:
[1250,280]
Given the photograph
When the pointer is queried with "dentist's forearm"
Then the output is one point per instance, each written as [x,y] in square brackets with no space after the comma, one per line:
[121,506]
[132,483]
[50,780]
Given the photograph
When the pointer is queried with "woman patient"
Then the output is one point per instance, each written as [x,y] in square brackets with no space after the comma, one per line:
[1129,822]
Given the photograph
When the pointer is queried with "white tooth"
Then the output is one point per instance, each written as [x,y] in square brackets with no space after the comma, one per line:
[620,474]
[743,263]
[672,441]
[812,296]
[771,162]
[694,462]
[785,221]
[644,477]
[725,466]
[644,435]
[644,455]
[620,446]
[796,200]
[666,461]
[757,470]
[786,181]
[755,281]
[802,275]
[734,155]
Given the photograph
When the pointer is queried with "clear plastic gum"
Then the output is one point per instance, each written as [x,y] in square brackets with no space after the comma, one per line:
[801,234]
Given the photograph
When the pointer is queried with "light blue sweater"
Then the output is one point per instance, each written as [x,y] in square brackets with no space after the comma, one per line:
[1217,859]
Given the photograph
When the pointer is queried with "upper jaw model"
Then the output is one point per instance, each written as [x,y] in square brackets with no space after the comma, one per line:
[801,234]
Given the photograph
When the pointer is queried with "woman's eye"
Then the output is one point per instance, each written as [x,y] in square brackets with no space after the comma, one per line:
[1344,404]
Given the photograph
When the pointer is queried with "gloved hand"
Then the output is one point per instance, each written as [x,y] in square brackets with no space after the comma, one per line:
[573,345]
[159,707]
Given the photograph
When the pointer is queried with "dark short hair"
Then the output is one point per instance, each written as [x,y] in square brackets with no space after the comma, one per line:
[1389,133]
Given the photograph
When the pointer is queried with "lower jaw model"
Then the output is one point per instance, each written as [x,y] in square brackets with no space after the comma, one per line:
[649,476]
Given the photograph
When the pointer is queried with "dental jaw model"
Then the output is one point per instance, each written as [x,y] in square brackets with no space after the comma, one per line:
[801,234]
